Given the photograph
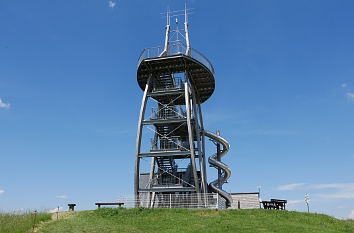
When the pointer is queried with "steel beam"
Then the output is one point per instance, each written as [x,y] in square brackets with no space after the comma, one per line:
[164,93]
[167,190]
[138,140]
[164,121]
[203,140]
[165,154]
[200,154]
[190,134]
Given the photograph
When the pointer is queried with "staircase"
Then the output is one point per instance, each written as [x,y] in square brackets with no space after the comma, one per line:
[164,82]
[165,164]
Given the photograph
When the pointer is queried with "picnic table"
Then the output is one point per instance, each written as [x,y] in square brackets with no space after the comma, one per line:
[274,204]
[71,207]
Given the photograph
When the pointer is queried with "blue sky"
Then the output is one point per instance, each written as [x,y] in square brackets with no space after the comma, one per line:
[284,97]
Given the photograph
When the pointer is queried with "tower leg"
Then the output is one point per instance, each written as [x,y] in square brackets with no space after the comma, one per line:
[200,154]
[219,169]
[152,169]
[138,143]
[203,143]
[190,136]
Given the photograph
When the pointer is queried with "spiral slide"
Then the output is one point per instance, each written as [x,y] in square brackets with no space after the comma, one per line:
[218,164]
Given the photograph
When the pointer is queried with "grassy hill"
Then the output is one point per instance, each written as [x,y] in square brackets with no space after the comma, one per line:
[20,223]
[184,220]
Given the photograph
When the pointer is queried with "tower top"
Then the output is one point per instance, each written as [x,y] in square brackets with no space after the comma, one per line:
[176,37]
[177,56]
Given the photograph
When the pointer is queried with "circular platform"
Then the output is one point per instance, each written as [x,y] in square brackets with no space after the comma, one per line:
[199,69]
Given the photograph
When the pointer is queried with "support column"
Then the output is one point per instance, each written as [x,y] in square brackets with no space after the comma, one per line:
[152,171]
[138,142]
[151,176]
[200,154]
[190,136]
[218,152]
[203,141]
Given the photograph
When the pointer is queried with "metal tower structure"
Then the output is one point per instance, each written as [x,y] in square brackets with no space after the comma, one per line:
[176,80]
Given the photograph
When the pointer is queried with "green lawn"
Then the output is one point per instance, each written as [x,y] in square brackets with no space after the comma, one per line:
[20,223]
[184,220]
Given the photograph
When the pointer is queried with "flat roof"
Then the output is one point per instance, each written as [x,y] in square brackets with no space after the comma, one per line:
[245,193]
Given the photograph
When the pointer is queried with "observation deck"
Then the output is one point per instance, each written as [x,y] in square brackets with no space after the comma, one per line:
[195,64]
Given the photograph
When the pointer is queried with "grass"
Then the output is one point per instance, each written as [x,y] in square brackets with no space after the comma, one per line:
[183,220]
[20,223]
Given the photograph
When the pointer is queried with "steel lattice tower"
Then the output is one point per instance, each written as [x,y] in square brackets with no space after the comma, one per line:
[177,79]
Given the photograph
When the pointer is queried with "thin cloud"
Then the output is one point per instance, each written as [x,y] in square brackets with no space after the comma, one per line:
[338,195]
[341,190]
[334,186]
[55,210]
[350,96]
[290,186]
[293,202]
[351,215]
[111,4]
[344,85]
[2,191]
[4,105]
[62,196]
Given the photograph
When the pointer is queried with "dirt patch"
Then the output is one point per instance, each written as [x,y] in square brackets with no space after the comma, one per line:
[62,215]
[55,217]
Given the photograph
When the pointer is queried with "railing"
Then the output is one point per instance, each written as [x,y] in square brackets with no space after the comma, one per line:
[177,178]
[171,143]
[166,113]
[178,83]
[160,200]
[168,143]
[175,49]
[165,179]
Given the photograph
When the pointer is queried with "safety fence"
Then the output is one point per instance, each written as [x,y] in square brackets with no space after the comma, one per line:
[161,200]
[175,49]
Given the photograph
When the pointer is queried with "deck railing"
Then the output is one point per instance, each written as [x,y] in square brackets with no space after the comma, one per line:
[168,143]
[160,200]
[167,113]
[178,83]
[175,49]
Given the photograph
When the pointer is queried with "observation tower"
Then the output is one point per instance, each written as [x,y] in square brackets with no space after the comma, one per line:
[176,80]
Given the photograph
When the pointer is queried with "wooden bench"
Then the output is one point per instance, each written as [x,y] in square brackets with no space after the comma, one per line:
[109,203]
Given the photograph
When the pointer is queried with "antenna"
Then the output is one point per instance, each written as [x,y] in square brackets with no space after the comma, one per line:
[177,13]
[185,14]
[165,52]
[172,36]
[186,30]
[168,16]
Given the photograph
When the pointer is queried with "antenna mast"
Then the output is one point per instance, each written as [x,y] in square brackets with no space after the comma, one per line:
[186,30]
[166,51]
[170,35]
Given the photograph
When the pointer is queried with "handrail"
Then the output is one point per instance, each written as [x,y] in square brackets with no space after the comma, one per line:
[175,49]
